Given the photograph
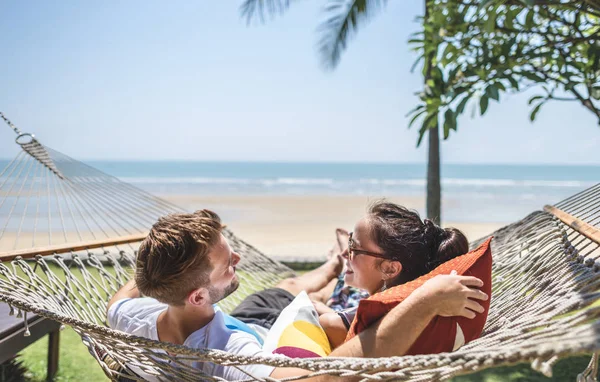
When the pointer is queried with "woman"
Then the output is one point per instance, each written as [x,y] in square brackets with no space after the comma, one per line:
[390,246]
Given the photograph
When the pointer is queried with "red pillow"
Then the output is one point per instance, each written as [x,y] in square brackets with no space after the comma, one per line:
[441,333]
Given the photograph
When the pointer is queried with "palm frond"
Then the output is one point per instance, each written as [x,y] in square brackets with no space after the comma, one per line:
[338,28]
[258,9]
[13,370]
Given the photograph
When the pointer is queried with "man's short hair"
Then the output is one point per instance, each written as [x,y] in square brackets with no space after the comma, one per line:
[173,259]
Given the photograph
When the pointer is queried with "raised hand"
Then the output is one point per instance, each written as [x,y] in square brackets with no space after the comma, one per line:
[452,295]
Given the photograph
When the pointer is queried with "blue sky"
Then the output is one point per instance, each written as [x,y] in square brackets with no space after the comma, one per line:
[188,80]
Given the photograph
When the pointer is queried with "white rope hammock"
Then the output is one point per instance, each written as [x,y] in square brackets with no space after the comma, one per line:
[68,240]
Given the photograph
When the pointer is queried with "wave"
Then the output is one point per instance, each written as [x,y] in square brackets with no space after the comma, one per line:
[184,180]
[331,182]
[242,181]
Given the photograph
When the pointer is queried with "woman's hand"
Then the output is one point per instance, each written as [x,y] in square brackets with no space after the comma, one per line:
[453,295]
[321,308]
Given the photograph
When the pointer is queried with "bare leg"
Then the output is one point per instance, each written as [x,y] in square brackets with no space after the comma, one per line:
[341,245]
[324,294]
[314,280]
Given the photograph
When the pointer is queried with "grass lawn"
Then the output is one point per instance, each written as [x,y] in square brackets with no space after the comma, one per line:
[76,364]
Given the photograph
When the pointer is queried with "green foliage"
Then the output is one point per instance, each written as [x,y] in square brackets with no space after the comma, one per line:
[342,19]
[487,47]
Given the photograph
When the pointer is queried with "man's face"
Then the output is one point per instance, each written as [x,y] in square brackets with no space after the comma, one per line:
[223,279]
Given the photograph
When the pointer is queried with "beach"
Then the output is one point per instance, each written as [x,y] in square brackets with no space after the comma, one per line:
[301,227]
[287,210]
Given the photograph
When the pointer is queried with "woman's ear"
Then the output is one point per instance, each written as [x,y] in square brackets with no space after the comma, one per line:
[391,269]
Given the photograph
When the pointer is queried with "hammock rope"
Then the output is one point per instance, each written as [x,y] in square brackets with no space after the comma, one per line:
[88,225]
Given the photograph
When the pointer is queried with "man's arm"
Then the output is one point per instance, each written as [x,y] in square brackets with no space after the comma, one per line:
[443,295]
[129,290]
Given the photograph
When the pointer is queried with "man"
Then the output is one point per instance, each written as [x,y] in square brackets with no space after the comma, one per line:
[185,266]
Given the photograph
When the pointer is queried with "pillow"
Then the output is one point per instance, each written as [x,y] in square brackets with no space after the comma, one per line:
[443,334]
[297,333]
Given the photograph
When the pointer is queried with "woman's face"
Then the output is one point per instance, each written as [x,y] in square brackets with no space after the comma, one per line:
[362,270]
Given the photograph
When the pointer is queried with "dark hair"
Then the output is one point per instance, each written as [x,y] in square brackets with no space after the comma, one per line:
[173,258]
[420,246]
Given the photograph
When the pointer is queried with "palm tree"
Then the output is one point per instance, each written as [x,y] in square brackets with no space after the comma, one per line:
[345,16]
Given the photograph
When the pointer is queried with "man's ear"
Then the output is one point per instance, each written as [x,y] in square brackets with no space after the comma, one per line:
[199,297]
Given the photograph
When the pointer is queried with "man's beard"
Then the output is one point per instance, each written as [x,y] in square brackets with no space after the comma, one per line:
[217,295]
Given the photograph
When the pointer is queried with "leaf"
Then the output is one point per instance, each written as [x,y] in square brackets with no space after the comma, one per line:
[446,130]
[533,99]
[570,86]
[492,92]
[510,17]
[535,112]
[449,122]
[529,19]
[341,24]
[532,76]
[513,82]
[483,104]
[415,117]
[417,108]
[461,106]
[484,3]
[427,123]
[595,93]
[490,24]
[251,9]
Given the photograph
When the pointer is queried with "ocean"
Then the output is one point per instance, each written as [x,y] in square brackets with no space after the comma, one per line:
[471,193]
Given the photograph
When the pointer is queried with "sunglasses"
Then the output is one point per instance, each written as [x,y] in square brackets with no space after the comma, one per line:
[353,251]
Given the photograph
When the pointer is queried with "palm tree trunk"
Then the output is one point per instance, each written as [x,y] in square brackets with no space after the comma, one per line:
[434,188]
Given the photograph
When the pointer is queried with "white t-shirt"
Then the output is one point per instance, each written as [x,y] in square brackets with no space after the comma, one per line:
[138,316]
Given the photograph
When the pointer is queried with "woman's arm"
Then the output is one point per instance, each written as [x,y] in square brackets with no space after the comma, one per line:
[443,295]
[334,327]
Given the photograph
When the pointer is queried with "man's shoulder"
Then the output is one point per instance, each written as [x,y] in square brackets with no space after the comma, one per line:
[132,311]
[229,337]
[137,304]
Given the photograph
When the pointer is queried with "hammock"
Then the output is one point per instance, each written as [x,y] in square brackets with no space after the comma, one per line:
[68,239]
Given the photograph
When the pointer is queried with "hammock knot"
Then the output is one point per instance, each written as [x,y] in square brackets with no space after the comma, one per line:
[589,263]
[542,367]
